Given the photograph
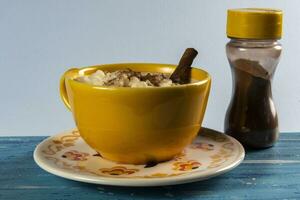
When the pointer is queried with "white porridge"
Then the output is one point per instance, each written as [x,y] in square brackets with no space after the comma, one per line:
[127,78]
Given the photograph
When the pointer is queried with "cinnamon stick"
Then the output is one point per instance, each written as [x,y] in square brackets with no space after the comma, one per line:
[183,72]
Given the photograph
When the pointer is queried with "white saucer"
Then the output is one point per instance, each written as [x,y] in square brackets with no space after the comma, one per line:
[67,155]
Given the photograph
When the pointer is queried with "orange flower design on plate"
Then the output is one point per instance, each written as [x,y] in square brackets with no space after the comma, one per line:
[161,175]
[75,155]
[203,146]
[180,156]
[118,170]
[186,166]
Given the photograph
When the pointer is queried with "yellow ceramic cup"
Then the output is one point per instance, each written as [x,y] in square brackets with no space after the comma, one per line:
[136,125]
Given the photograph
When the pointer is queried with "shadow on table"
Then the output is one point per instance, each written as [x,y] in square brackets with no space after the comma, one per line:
[203,188]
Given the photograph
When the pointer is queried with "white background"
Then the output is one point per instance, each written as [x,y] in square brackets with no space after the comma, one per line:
[39,40]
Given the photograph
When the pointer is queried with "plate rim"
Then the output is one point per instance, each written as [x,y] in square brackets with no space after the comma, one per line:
[138,182]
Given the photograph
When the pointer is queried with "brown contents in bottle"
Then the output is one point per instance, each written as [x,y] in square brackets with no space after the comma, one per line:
[251,117]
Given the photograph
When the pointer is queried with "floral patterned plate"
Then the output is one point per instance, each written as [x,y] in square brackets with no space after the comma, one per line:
[67,155]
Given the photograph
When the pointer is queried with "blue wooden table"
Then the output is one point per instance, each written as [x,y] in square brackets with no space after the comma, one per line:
[266,174]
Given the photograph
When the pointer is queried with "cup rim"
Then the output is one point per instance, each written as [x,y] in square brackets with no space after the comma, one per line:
[81,70]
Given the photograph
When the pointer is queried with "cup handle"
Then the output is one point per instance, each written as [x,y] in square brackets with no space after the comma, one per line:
[63,90]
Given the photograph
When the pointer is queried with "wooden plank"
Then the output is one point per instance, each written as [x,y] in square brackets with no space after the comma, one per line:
[267,174]
[247,181]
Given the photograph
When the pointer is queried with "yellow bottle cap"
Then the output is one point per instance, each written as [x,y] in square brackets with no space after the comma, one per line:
[254,23]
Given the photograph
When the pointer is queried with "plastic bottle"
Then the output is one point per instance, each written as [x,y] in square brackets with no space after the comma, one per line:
[253,53]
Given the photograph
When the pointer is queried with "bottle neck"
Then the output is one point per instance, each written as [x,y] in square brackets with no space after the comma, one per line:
[253,42]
